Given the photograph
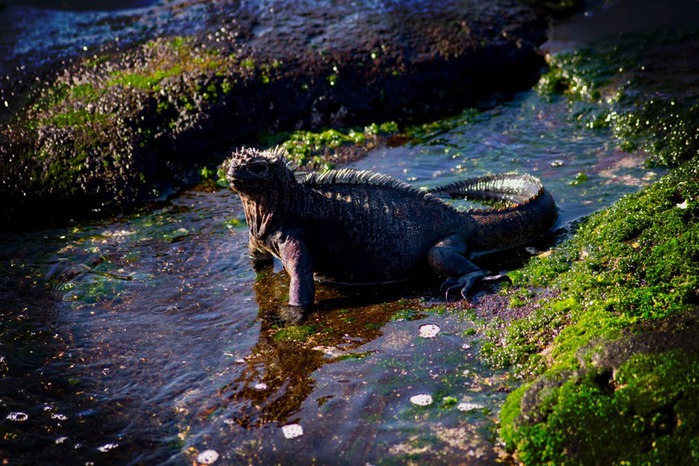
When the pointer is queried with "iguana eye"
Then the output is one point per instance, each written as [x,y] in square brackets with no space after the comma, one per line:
[257,168]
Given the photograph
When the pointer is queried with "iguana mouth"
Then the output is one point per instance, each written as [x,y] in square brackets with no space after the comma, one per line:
[235,182]
[238,177]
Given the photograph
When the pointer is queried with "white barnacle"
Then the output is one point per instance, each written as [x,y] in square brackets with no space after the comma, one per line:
[207,457]
[17,416]
[107,447]
[429,330]
[466,406]
[423,399]
[292,431]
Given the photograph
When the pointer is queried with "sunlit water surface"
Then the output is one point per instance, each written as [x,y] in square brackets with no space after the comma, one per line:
[156,343]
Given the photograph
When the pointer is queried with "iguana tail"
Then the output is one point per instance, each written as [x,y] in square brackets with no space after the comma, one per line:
[530,213]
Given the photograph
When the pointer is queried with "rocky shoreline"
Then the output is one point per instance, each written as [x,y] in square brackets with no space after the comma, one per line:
[107,130]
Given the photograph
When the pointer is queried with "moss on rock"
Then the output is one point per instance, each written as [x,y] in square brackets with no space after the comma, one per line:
[610,360]
[644,88]
[642,412]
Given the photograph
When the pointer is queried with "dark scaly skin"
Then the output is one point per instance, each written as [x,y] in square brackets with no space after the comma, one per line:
[531,211]
[361,227]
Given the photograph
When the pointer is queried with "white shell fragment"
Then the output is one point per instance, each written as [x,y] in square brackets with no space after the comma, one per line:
[17,416]
[107,447]
[292,431]
[207,457]
[429,330]
[422,399]
[469,406]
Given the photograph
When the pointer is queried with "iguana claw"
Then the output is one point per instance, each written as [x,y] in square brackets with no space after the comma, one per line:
[462,284]
[291,315]
[501,277]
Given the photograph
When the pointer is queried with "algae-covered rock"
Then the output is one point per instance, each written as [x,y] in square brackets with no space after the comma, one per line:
[633,402]
[120,122]
[618,342]
[644,87]
[609,362]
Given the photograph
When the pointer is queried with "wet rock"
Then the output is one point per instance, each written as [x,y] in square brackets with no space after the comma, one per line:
[96,124]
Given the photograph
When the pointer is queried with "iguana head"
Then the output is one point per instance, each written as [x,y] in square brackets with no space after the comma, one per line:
[252,172]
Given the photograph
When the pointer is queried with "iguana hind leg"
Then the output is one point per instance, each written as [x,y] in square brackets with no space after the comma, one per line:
[447,259]
[462,284]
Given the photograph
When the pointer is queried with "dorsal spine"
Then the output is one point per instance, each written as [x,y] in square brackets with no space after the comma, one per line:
[514,188]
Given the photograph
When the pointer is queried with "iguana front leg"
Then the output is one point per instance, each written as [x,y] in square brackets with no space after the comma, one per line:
[298,264]
[447,259]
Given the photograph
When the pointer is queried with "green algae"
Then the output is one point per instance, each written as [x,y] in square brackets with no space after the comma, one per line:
[627,270]
[354,356]
[148,81]
[661,127]
[426,133]
[579,179]
[647,406]
[303,146]
[312,148]
[636,261]
[406,314]
[75,117]
[295,333]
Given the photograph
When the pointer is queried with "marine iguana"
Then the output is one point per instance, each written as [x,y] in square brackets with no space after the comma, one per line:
[362,227]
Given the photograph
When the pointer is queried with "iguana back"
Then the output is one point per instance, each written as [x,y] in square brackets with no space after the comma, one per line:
[365,227]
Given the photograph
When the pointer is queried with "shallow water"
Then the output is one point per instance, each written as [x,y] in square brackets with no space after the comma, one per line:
[583,169]
[149,339]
